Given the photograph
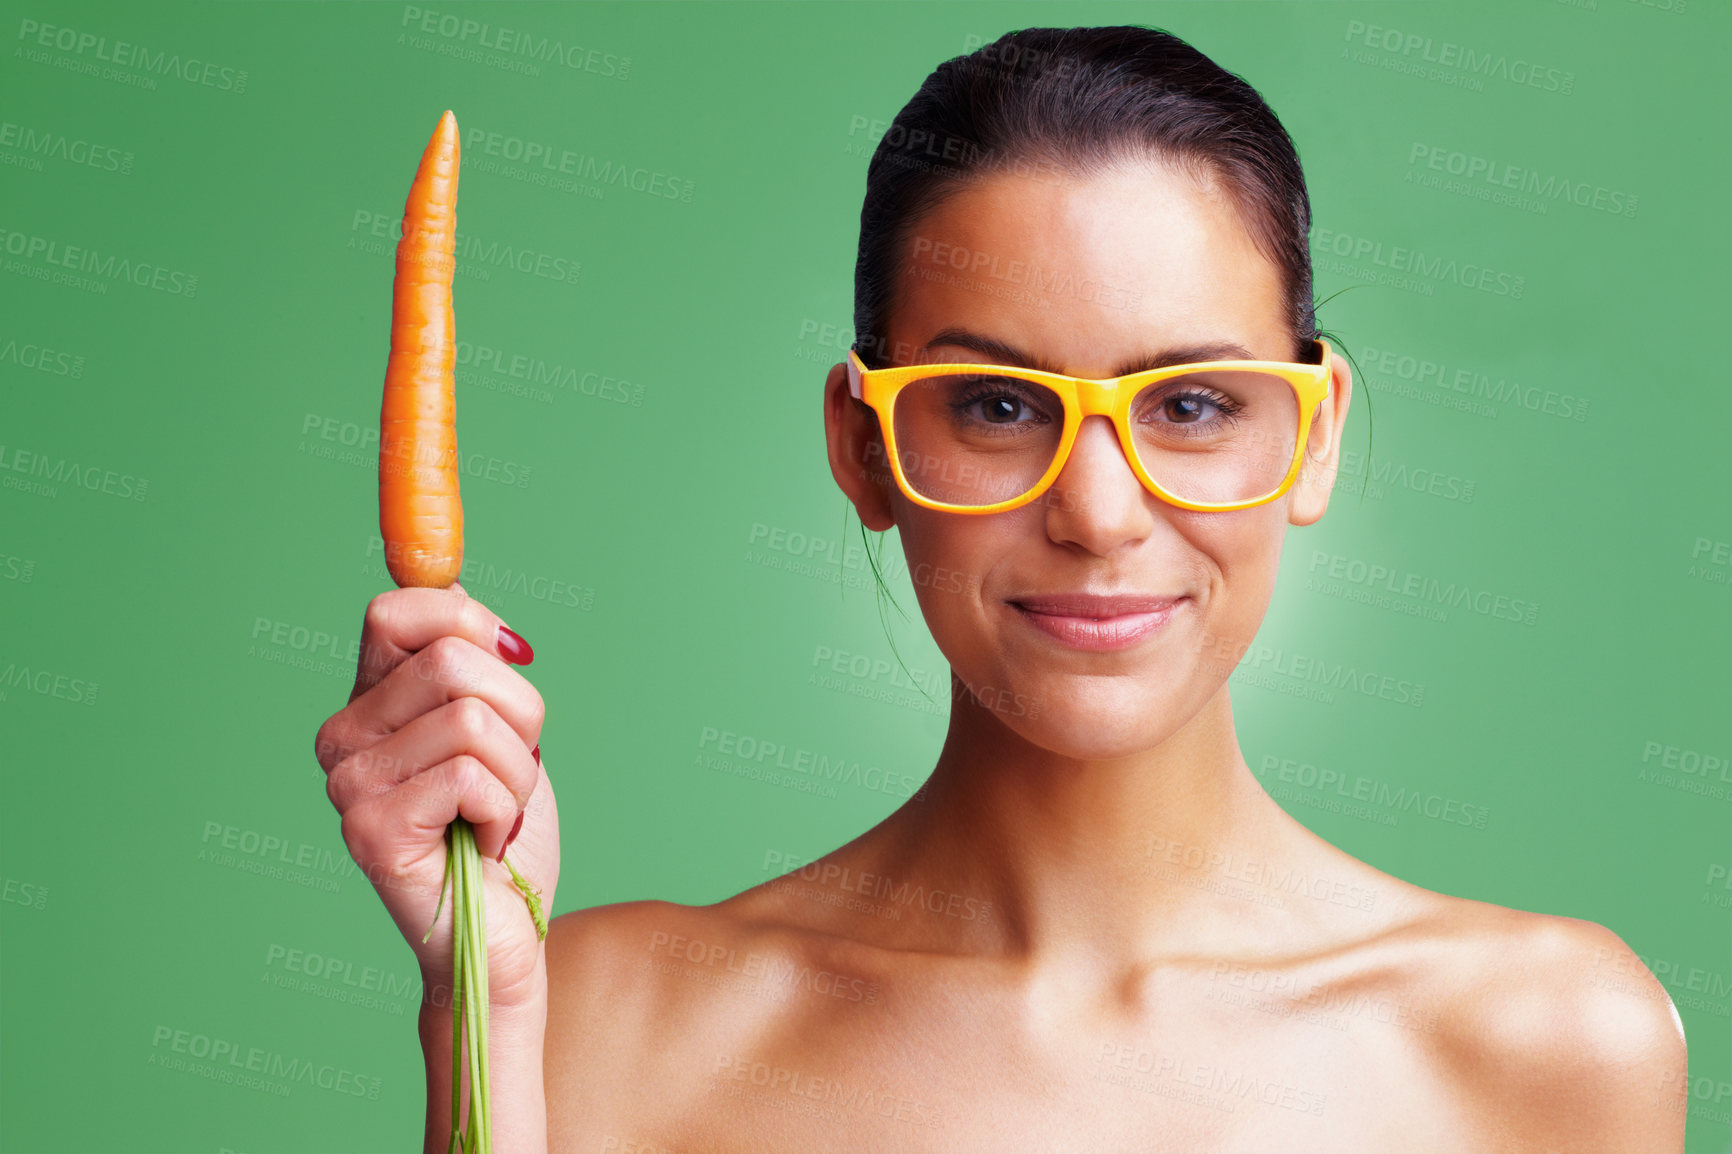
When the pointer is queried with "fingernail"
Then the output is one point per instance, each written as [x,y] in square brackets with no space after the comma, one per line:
[512,836]
[514,648]
[537,752]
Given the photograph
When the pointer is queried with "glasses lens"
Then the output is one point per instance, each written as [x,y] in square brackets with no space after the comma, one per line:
[1216,437]
[973,439]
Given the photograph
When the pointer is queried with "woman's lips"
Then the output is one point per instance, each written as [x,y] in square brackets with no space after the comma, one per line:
[1088,622]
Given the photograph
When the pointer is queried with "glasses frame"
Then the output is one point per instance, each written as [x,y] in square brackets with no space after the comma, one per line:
[1086,397]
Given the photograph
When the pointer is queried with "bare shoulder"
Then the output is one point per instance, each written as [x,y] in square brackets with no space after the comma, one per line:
[1555,1031]
[615,1015]
[595,965]
[641,959]
[655,994]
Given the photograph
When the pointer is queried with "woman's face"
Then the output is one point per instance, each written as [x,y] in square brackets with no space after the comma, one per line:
[1132,262]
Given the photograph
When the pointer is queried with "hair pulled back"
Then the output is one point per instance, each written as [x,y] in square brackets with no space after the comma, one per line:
[1056,100]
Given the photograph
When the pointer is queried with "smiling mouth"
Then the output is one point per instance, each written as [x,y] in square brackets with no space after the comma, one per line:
[1084,621]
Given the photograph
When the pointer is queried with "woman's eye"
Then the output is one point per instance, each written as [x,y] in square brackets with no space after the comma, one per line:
[995,403]
[1001,409]
[1187,408]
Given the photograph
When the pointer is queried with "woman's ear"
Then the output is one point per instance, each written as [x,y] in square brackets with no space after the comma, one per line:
[1309,496]
[857,459]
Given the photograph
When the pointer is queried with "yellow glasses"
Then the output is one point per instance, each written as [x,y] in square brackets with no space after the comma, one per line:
[981,438]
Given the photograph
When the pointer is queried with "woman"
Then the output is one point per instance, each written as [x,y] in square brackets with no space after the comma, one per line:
[1091,929]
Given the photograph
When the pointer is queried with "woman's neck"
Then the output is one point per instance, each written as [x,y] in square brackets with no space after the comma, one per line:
[1174,850]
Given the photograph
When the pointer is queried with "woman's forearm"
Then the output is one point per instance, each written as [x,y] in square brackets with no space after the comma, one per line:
[516,1098]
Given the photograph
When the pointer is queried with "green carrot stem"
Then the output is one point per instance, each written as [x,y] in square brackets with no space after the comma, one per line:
[477,988]
[458,908]
[469,978]
[444,879]
[532,895]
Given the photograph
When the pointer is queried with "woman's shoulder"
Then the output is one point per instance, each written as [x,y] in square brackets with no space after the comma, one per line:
[651,954]
[656,993]
[1508,969]
[749,958]
[622,941]
[1549,1020]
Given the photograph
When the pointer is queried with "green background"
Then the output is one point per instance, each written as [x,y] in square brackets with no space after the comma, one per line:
[159,776]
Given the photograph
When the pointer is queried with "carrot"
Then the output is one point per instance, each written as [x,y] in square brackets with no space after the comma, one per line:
[420,510]
[421,520]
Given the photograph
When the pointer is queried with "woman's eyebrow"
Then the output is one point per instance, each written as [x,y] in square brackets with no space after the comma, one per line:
[1006,353]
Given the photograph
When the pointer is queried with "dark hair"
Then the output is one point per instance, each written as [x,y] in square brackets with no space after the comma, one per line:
[1076,100]
[1064,100]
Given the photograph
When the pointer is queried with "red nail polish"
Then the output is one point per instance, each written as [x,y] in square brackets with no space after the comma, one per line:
[537,752]
[512,836]
[514,648]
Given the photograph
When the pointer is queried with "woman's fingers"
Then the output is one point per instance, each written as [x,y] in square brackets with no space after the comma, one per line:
[465,725]
[386,830]
[404,621]
[449,668]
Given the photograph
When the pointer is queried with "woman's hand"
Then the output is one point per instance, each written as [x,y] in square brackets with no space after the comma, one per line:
[437,726]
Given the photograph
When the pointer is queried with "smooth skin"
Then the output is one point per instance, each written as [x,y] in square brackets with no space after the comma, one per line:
[1092,929]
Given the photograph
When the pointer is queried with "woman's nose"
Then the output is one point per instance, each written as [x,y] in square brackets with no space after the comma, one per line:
[1096,501]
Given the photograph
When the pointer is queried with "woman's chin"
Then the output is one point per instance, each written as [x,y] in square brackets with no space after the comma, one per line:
[1104,729]
[1093,744]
